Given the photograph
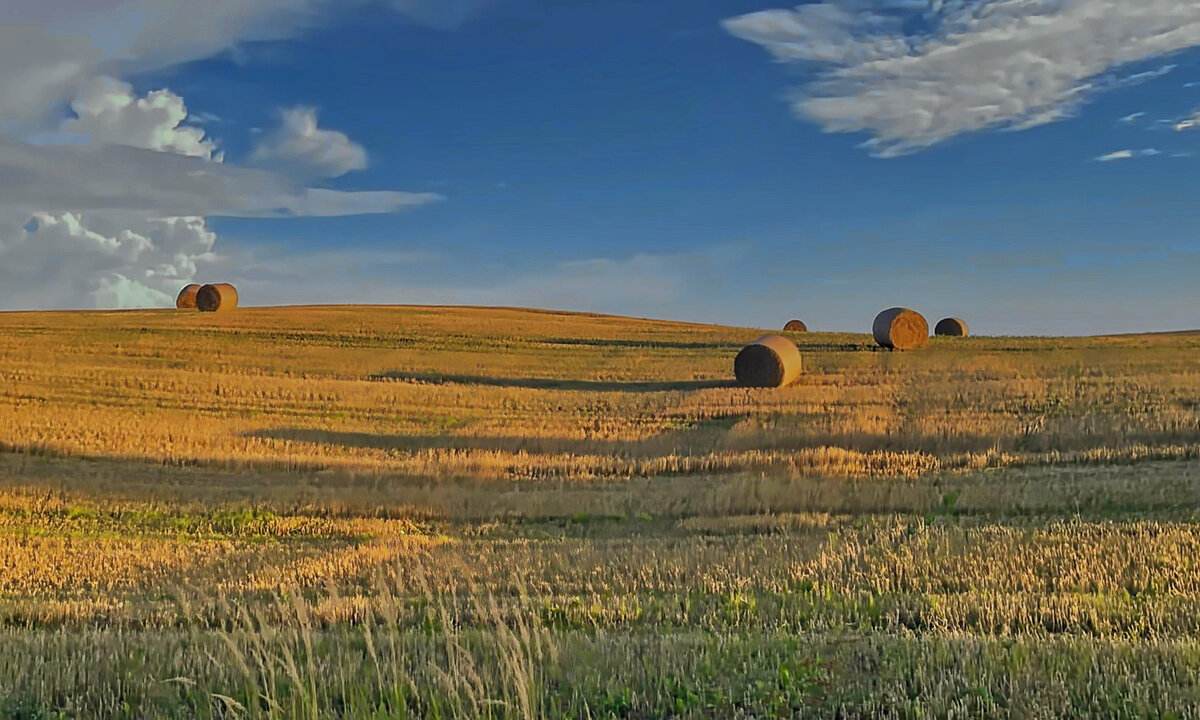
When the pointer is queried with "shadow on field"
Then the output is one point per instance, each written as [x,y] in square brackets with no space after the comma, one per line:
[837,347]
[693,442]
[554,383]
[641,344]
[679,443]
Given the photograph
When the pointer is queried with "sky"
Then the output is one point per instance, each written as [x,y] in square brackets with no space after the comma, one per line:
[1027,165]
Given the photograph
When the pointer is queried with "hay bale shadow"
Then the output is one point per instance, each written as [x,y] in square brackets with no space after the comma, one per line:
[436,378]
[639,344]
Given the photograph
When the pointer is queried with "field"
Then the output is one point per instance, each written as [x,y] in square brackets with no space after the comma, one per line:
[429,512]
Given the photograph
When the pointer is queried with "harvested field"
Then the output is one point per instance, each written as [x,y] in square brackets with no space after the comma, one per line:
[431,512]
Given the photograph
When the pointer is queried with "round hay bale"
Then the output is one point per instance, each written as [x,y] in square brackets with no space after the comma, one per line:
[216,298]
[951,327]
[187,297]
[900,329]
[795,326]
[770,361]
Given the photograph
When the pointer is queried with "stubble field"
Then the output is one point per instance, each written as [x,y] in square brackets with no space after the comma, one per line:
[424,512]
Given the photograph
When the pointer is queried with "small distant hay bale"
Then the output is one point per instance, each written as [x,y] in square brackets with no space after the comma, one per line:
[951,327]
[795,326]
[900,329]
[770,361]
[187,297]
[217,298]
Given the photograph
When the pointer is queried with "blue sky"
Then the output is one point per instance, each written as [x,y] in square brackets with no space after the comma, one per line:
[686,159]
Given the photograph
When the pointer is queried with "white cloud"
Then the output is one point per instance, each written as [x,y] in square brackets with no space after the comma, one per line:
[1116,155]
[118,291]
[1132,117]
[300,148]
[1190,122]
[982,64]
[67,260]
[1127,154]
[40,178]
[107,111]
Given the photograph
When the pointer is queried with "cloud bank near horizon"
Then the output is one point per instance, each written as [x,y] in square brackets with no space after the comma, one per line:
[105,205]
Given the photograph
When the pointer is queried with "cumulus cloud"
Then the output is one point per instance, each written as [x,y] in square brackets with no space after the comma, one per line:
[68,260]
[300,148]
[913,74]
[106,111]
[107,207]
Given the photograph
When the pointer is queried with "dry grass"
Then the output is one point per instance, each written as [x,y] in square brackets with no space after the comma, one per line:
[502,513]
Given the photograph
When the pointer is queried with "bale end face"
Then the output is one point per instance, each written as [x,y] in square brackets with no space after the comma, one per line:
[951,327]
[187,297]
[770,361]
[900,329]
[221,297]
[795,326]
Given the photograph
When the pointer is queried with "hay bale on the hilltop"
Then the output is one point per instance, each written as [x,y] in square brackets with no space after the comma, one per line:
[951,327]
[795,326]
[217,298]
[770,361]
[187,297]
[900,329]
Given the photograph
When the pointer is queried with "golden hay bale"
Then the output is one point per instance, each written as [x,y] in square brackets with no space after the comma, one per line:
[770,361]
[901,329]
[795,326]
[187,297]
[217,298]
[953,327]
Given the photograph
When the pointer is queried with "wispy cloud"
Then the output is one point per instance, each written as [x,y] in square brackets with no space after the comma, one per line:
[1191,122]
[204,118]
[1011,64]
[1127,154]
[1116,155]
[1145,75]
[676,285]
[1132,117]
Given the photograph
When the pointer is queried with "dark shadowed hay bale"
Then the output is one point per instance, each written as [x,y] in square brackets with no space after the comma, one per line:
[795,326]
[217,298]
[187,297]
[952,327]
[770,361]
[901,329]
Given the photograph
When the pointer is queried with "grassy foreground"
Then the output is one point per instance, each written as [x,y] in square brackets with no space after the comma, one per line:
[422,512]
